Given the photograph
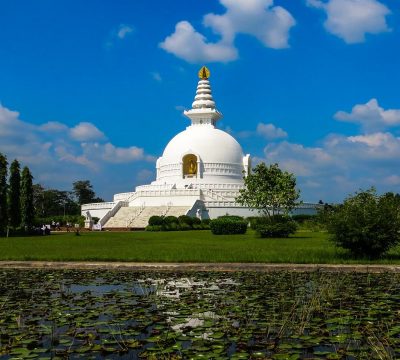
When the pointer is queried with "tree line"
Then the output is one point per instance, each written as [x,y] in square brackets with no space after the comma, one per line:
[24,205]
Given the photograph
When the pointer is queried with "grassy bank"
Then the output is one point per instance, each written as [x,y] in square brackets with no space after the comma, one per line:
[190,246]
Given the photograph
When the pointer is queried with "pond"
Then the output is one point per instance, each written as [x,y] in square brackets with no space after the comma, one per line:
[97,314]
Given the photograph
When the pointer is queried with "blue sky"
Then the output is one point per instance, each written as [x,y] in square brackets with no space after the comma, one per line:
[96,89]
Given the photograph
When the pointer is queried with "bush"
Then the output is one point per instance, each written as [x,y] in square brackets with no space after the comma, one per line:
[301,218]
[277,230]
[279,226]
[153,227]
[366,224]
[184,227]
[184,219]
[196,221]
[228,226]
[257,221]
[156,220]
[170,227]
[170,220]
[231,217]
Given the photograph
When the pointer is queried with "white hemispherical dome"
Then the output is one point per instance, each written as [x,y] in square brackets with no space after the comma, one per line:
[209,143]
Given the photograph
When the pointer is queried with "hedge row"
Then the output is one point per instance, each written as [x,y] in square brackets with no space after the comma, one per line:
[173,223]
[228,225]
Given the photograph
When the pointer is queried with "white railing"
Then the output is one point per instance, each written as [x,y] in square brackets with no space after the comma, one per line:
[122,196]
[222,204]
[214,195]
[112,212]
[102,205]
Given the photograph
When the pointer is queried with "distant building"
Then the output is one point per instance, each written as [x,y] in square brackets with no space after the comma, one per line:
[199,174]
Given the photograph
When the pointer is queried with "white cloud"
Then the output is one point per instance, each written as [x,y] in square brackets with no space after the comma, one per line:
[270,131]
[188,44]
[259,18]
[59,155]
[351,20]
[371,116]
[53,126]
[86,131]
[340,165]
[118,34]
[124,30]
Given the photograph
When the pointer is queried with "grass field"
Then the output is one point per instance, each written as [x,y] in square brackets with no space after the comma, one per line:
[189,246]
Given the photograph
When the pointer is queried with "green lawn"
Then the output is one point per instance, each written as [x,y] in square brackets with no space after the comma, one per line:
[189,246]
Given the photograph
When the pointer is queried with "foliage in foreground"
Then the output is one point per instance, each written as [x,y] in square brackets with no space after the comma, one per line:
[217,315]
[270,190]
[366,224]
[228,225]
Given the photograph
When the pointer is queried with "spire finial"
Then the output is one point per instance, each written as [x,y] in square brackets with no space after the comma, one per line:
[204,73]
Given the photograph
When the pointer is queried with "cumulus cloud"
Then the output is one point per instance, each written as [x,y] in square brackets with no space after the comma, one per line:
[351,20]
[259,18]
[370,116]
[340,165]
[188,44]
[86,131]
[270,131]
[58,154]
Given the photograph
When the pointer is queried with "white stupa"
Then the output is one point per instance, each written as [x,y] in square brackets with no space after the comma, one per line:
[199,173]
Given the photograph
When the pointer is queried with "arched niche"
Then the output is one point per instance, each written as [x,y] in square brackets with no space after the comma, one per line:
[189,165]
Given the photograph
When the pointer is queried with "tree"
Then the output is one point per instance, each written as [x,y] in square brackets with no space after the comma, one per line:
[53,202]
[3,193]
[366,224]
[83,191]
[27,208]
[270,190]
[14,195]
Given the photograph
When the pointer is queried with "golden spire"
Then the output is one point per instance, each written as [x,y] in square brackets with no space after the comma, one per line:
[204,73]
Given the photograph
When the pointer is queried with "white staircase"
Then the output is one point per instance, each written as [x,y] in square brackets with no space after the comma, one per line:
[138,217]
[122,218]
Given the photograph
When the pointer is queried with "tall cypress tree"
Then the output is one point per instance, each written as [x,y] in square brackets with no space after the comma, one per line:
[27,208]
[14,195]
[3,193]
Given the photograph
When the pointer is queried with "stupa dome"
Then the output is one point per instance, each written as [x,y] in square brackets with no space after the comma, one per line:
[212,145]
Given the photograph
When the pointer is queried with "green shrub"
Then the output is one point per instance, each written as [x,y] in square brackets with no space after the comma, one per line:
[184,219]
[277,230]
[170,227]
[170,220]
[196,221]
[184,227]
[280,226]
[301,218]
[228,226]
[257,221]
[156,220]
[153,228]
[231,217]
[366,224]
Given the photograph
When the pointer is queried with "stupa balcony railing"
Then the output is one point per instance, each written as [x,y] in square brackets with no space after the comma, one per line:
[101,205]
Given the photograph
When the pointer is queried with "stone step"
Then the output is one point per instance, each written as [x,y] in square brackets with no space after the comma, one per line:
[135,217]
